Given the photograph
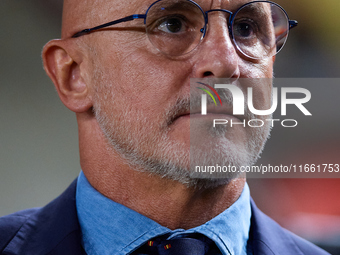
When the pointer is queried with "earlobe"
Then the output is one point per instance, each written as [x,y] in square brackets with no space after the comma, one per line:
[63,67]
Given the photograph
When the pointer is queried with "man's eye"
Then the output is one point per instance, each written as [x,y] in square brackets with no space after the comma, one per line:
[171,25]
[244,29]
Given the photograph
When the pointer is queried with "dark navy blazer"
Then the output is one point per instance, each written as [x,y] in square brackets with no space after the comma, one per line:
[54,229]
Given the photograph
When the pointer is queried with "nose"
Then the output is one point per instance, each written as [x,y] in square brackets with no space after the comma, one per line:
[216,56]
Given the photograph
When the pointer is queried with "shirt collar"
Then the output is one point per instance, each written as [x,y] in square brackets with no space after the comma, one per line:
[111,228]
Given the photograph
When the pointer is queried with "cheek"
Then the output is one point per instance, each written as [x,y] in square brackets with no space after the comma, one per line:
[258,76]
[262,93]
[257,69]
[146,82]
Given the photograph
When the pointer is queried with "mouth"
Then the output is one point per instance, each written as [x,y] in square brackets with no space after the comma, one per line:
[213,112]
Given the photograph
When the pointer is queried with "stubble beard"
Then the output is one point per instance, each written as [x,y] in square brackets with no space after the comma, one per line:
[146,145]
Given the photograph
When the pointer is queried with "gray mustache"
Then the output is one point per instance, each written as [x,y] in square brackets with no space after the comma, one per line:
[193,103]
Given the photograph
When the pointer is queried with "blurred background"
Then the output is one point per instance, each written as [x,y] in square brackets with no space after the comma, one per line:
[38,139]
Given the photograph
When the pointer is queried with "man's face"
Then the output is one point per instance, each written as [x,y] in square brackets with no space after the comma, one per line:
[142,97]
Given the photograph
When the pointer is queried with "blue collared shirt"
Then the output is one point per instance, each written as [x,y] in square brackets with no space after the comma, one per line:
[111,228]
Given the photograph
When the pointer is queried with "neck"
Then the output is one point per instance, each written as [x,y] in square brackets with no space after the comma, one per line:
[168,202]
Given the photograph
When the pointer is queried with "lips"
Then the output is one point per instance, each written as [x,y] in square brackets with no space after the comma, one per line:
[223,111]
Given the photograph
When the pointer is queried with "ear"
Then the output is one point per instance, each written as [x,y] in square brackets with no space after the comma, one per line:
[62,64]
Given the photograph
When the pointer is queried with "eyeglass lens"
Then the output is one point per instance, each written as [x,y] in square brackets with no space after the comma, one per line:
[176,27]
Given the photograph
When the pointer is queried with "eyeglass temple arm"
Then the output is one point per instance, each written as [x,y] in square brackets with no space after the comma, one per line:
[292,24]
[128,18]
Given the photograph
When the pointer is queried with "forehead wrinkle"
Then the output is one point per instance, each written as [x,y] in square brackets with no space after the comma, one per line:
[234,5]
[230,5]
[82,14]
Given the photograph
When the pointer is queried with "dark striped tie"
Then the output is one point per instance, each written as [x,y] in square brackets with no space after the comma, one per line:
[190,245]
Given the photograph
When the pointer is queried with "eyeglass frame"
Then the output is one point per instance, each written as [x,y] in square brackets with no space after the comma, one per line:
[291,23]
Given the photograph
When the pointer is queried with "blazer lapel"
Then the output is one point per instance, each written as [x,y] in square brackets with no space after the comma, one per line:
[267,237]
[53,229]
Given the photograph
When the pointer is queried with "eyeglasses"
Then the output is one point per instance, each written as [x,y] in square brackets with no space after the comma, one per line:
[258,29]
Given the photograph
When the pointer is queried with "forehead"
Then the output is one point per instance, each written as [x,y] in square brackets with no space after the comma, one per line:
[80,14]
[142,5]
